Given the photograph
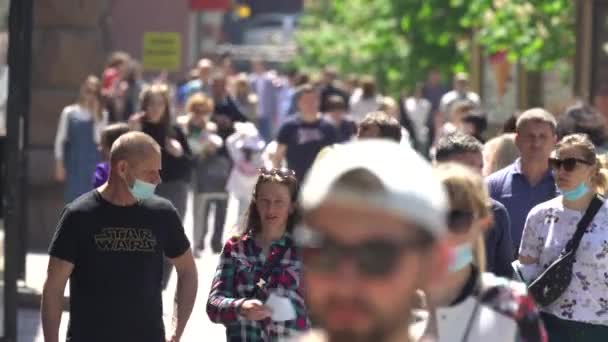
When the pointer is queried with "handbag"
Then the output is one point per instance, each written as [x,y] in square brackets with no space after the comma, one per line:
[552,283]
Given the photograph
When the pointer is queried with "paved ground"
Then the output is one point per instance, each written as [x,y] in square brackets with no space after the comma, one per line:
[199,328]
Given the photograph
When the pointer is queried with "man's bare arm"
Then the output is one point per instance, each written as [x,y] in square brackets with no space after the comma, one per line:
[185,296]
[58,273]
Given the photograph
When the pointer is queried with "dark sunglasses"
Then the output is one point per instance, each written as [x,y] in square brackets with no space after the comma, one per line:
[569,164]
[374,258]
[281,172]
[460,220]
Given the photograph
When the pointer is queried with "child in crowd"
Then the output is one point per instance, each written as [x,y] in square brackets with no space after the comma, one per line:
[108,137]
[245,147]
[336,114]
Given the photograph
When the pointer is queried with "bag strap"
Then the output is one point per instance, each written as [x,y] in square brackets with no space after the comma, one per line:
[581,227]
[271,264]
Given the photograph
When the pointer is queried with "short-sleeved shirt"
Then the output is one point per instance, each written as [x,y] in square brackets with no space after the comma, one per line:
[548,229]
[304,140]
[117,253]
[510,187]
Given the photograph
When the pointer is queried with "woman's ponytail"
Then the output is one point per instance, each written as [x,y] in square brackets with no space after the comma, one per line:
[600,180]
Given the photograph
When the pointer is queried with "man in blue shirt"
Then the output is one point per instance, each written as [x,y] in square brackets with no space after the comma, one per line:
[528,181]
[462,148]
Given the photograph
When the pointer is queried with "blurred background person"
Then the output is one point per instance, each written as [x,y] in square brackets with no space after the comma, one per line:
[108,136]
[582,118]
[245,147]
[131,87]
[468,304]
[418,110]
[498,153]
[78,135]
[245,99]
[391,107]
[211,168]
[329,87]
[287,91]
[380,125]
[113,74]
[580,313]
[351,83]
[460,92]
[260,262]
[263,85]
[475,123]
[156,121]
[365,99]
[433,91]
[202,83]
[225,112]
[337,115]
[464,149]
[301,137]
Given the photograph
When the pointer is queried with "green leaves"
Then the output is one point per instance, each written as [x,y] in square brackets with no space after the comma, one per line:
[398,41]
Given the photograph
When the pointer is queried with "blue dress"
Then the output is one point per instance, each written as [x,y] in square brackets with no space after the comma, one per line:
[80,157]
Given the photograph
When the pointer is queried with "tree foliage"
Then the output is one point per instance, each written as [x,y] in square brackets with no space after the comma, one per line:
[399,41]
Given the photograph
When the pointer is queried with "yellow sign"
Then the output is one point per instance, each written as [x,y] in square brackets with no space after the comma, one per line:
[162,51]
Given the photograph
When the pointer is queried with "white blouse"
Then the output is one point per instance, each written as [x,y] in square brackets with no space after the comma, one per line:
[82,114]
[548,229]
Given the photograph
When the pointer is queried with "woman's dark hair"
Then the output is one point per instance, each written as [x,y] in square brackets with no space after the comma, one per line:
[581,118]
[112,132]
[389,127]
[285,177]
[479,121]
[368,86]
[510,125]
[117,58]
[163,91]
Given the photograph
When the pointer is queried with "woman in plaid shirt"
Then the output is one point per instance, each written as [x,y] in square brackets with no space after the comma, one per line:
[259,262]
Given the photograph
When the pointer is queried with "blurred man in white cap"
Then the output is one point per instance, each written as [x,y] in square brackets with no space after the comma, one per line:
[373,215]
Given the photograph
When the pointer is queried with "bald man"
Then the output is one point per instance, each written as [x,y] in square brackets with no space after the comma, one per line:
[110,243]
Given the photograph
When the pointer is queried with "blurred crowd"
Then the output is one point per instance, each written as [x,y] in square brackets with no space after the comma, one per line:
[503,201]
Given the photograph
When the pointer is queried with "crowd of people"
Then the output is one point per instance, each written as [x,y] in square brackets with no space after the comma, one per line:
[363,217]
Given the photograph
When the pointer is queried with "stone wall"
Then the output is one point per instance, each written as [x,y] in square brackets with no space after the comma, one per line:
[70,41]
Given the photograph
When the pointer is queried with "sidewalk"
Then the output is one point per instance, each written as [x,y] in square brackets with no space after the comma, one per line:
[199,327]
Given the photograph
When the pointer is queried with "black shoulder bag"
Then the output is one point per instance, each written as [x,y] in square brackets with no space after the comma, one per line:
[550,285]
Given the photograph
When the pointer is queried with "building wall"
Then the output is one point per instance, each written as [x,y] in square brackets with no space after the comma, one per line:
[69,42]
[129,20]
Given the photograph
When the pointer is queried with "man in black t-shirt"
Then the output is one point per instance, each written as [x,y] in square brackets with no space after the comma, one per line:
[302,137]
[110,243]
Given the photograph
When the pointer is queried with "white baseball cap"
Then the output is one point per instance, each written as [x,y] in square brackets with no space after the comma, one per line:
[409,189]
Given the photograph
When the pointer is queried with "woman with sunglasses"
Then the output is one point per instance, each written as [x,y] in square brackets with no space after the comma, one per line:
[256,291]
[470,305]
[581,312]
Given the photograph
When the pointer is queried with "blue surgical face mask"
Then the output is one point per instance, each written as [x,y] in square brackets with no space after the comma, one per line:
[576,193]
[142,190]
[462,256]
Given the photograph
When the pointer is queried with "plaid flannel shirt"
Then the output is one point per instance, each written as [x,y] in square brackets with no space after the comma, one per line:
[241,264]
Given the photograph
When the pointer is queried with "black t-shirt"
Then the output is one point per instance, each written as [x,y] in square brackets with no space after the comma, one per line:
[347,129]
[304,140]
[117,252]
[174,168]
